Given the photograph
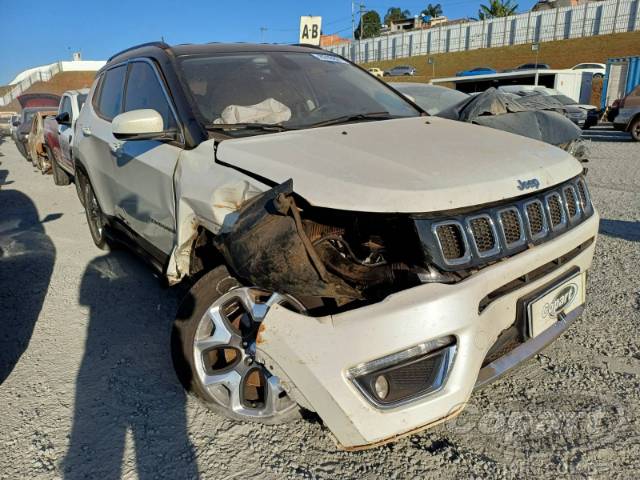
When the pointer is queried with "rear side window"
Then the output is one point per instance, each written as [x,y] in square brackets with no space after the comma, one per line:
[66,107]
[110,103]
[144,91]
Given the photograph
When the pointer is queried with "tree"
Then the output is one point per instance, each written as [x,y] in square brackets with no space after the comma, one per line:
[432,10]
[497,8]
[396,14]
[370,22]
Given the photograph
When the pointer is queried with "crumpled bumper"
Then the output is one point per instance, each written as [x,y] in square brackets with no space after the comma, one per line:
[312,354]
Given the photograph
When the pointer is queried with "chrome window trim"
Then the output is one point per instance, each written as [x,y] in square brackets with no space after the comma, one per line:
[523,234]
[545,226]
[577,201]
[563,219]
[489,253]
[466,258]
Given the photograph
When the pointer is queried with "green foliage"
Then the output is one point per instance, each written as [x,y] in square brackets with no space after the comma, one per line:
[432,10]
[371,25]
[395,14]
[497,8]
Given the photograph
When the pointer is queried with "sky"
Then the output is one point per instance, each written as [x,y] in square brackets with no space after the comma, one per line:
[39,32]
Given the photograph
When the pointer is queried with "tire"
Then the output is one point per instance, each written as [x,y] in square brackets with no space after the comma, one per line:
[95,217]
[79,180]
[634,129]
[215,289]
[60,177]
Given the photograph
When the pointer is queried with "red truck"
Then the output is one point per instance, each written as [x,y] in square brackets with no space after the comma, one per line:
[58,135]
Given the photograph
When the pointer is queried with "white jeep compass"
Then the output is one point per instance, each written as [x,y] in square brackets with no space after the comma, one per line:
[350,255]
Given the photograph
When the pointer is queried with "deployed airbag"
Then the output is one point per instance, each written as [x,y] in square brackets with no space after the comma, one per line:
[269,111]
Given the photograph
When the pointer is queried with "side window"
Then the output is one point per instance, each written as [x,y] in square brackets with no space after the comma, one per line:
[66,107]
[110,103]
[144,91]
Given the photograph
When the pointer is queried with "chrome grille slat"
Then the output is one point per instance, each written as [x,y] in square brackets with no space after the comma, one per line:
[491,233]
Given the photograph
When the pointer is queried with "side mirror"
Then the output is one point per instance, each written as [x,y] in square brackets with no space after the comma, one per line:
[144,124]
[63,118]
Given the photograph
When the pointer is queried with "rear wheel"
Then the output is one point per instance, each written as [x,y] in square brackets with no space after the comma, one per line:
[60,177]
[214,350]
[634,129]
[95,217]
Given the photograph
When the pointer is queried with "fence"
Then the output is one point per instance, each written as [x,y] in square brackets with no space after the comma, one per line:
[25,83]
[589,19]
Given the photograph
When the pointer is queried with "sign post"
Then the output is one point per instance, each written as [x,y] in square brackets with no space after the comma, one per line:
[536,48]
[310,29]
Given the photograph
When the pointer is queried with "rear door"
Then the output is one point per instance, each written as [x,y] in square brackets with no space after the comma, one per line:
[143,169]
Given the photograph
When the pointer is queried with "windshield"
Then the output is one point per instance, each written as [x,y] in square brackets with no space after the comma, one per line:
[563,99]
[290,89]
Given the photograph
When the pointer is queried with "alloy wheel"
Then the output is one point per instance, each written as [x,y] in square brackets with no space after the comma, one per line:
[224,352]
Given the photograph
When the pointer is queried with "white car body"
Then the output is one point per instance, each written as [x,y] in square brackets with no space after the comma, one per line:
[419,165]
[592,68]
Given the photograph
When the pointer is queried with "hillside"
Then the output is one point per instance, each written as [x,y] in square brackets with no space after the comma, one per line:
[559,54]
[59,84]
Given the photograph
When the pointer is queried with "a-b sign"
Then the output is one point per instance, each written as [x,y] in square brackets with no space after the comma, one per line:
[310,30]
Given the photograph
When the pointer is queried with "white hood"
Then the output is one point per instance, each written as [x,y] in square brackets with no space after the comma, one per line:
[422,164]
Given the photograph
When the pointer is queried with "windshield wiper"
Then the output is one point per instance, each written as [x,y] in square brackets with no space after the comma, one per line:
[353,118]
[265,127]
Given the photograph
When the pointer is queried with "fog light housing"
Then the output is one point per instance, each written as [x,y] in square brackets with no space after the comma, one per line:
[405,376]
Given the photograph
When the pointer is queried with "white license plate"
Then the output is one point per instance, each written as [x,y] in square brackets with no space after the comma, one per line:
[545,310]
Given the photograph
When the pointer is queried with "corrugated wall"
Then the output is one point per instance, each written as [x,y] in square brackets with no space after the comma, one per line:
[593,18]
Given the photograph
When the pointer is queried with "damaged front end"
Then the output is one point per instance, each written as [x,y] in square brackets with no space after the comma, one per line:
[326,258]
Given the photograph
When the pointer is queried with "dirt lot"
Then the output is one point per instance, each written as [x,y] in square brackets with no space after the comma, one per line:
[87,389]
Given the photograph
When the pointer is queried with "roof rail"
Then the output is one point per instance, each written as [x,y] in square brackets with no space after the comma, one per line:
[148,44]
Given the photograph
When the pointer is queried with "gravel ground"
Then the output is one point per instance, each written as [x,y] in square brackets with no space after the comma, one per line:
[87,388]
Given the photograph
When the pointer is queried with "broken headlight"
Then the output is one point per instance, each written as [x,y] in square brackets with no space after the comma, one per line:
[405,376]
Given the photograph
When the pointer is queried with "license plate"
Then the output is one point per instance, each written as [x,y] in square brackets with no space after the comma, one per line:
[549,307]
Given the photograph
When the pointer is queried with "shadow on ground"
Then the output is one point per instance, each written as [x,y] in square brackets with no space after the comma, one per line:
[126,386]
[621,229]
[27,256]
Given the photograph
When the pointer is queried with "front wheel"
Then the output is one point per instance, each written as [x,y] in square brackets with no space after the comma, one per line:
[95,217]
[214,344]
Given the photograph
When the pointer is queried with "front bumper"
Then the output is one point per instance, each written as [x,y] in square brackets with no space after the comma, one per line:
[312,354]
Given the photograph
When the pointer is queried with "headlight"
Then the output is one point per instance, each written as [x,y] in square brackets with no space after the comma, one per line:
[407,375]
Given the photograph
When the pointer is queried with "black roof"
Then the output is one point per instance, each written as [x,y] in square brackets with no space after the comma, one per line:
[205,48]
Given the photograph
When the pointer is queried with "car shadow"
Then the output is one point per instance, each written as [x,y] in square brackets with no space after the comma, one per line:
[27,256]
[606,134]
[623,229]
[126,386]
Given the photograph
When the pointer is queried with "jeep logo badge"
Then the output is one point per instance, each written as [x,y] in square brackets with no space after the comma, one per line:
[562,300]
[527,184]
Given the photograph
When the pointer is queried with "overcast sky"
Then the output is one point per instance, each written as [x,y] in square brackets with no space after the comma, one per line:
[39,32]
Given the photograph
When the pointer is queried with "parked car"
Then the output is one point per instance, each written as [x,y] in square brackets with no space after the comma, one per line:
[35,142]
[31,103]
[476,71]
[628,117]
[374,282]
[376,72]
[596,69]
[583,115]
[6,119]
[399,71]
[532,66]
[499,110]
[59,133]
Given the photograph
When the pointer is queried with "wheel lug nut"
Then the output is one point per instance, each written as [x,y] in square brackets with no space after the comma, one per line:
[248,361]
[245,344]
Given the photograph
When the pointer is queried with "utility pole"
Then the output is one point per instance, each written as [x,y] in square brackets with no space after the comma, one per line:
[362,7]
[353,20]
[262,32]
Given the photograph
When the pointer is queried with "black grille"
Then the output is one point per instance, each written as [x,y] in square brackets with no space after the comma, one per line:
[572,206]
[483,234]
[451,240]
[555,210]
[511,226]
[536,218]
[503,229]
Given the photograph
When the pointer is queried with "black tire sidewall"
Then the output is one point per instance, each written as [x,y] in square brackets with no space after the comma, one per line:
[99,240]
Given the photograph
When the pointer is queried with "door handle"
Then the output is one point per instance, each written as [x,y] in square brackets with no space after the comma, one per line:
[86,131]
